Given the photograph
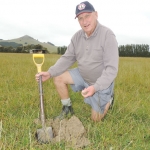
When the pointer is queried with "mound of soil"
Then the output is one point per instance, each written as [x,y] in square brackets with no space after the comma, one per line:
[70,130]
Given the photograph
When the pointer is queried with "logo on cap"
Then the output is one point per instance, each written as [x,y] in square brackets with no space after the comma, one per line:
[81,6]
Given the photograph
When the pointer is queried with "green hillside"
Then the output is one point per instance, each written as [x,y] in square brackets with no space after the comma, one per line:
[27,40]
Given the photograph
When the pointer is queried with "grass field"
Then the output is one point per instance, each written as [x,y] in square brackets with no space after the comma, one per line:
[126,126]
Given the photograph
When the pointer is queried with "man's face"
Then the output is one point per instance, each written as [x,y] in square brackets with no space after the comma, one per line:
[88,22]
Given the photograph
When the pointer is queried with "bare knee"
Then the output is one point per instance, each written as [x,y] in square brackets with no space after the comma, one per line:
[96,116]
[64,78]
[58,80]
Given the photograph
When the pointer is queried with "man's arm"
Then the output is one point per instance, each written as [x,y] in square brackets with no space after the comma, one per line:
[64,62]
[111,60]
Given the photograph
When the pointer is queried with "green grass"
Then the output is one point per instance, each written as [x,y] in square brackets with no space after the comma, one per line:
[126,126]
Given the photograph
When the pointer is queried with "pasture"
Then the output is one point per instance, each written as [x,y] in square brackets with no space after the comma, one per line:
[126,126]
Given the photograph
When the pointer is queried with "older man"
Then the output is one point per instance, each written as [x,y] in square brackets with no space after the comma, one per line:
[95,50]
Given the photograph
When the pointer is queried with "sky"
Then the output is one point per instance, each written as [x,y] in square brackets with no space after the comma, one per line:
[54,20]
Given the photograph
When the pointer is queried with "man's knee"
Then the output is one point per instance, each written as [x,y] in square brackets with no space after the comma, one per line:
[64,78]
[96,116]
[58,80]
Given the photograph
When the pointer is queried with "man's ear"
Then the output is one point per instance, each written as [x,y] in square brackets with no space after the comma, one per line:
[96,14]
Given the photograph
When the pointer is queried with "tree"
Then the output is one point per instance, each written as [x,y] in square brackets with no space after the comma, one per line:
[63,50]
[58,50]
[18,49]
[38,46]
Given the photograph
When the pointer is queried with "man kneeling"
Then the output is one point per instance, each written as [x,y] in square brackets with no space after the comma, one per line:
[95,50]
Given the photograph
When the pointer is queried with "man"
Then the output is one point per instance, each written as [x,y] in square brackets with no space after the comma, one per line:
[95,49]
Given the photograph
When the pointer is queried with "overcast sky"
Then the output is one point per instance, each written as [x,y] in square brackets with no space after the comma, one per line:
[53,20]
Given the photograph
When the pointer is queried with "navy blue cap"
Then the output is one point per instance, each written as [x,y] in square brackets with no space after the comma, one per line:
[84,7]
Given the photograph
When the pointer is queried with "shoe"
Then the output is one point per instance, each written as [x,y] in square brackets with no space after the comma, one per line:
[65,111]
[111,102]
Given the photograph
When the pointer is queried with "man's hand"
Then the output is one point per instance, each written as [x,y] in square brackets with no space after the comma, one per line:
[45,76]
[89,91]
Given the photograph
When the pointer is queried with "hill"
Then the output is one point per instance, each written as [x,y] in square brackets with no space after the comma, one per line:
[27,40]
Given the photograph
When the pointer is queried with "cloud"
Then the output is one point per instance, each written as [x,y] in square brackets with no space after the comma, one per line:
[54,21]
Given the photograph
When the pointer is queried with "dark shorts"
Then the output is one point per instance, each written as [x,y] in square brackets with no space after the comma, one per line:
[99,100]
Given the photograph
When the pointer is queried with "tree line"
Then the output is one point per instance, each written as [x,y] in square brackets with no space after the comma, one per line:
[61,50]
[134,50]
[21,49]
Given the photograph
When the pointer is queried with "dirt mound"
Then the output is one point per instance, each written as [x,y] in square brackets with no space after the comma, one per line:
[69,130]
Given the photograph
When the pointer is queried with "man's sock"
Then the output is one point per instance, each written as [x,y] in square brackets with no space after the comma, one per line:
[66,102]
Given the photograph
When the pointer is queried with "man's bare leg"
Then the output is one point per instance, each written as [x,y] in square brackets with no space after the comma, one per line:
[61,83]
[96,116]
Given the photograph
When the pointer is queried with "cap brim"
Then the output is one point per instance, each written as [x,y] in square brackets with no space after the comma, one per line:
[83,12]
